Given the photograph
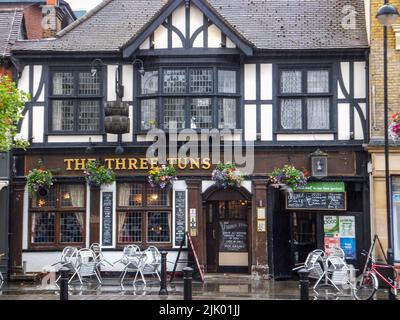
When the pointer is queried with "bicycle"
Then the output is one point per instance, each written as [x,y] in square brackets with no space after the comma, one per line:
[367,283]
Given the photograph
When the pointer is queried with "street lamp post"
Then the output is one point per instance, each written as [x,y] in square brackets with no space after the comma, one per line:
[387,16]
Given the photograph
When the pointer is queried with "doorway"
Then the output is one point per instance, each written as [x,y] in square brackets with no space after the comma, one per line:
[228,236]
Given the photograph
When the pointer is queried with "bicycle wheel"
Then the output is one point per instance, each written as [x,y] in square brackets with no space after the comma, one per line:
[365,286]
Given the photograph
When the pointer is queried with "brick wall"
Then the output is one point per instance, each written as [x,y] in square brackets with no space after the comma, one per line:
[376,72]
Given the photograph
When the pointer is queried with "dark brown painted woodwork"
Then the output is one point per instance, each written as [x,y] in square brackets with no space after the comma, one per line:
[17,211]
[94,215]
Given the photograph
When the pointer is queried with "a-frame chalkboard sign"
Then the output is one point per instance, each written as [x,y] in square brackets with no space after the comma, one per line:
[192,261]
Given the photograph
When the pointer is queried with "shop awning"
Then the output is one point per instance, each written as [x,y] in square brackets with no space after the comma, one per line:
[316,186]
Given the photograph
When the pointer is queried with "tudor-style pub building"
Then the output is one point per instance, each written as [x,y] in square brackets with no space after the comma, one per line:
[294,87]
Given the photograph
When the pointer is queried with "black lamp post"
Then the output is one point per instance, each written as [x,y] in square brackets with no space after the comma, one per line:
[387,16]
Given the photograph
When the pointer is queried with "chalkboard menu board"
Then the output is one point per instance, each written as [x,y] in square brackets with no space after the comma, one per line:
[233,236]
[107,219]
[317,201]
[180,219]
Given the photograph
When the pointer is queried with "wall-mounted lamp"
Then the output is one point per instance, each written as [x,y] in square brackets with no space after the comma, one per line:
[93,69]
[141,63]
[89,149]
[319,164]
[119,149]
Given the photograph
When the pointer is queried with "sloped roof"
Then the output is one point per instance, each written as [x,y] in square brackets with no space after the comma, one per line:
[10,26]
[267,24]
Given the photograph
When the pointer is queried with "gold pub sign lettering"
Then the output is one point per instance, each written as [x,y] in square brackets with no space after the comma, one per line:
[140,163]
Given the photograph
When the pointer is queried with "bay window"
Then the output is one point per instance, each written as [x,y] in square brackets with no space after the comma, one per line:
[177,98]
[58,219]
[75,102]
[144,214]
[305,99]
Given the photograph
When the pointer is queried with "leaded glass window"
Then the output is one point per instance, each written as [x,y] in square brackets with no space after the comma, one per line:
[201,81]
[89,84]
[150,82]
[158,226]
[175,81]
[305,99]
[174,113]
[63,83]
[63,112]
[71,227]
[227,81]
[227,113]
[130,227]
[148,114]
[89,116]
[201,113]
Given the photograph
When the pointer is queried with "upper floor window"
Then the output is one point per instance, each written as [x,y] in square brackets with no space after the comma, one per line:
[75,102]
[195,98]
[305,99]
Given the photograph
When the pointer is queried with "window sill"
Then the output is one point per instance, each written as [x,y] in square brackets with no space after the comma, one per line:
[305,132]
[74,133]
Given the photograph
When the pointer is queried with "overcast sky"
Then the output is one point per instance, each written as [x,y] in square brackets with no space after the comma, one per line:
[83,4]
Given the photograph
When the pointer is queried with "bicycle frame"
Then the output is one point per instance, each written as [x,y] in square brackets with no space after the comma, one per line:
[374,269]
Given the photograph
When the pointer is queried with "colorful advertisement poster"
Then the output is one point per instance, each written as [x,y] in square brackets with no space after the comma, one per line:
[348,245]
[347,227]
[331,226]
[331,242]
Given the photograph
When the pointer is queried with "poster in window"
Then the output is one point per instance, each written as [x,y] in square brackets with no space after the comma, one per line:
[347,227]
[340,232]
[331,242]
[331,226]
[348,245]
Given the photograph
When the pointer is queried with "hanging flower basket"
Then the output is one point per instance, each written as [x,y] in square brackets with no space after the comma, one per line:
[227,175]
[162,177]
[289,178]
[394,129]
[39,182]
[97,174]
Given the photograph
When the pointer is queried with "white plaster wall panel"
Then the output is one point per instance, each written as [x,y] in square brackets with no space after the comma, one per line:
[127,80]
[176,41]
[111,95]
[36,261]
[70,139]
[360,80]
[23,82]
[305,137]
[343,121]
[230,137]
[145,45]
[230,44]
[25,220]
[112,138]
[196,19]
[161,38]
[266,81]
[214,37]
[358,130]
[363,107]
[345,69]
[266,122]
[37,76]
[250,82]
[340,92]
[24,133]
[250,120]
[179,19]
[38,124]
[127,137]
[199,41]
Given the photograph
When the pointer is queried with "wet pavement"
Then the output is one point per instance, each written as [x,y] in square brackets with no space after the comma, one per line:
[216,287]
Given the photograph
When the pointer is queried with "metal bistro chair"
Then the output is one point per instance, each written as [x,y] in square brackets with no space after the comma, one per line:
[87,265]
[338,273]
[152,263]
[315,265]
[68,259]
[1,275]
[336,252]
[133,261]
[96,248]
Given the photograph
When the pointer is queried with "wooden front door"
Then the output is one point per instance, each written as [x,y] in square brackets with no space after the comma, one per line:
[212,236]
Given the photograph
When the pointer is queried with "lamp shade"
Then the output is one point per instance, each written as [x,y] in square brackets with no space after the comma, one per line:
[387,15]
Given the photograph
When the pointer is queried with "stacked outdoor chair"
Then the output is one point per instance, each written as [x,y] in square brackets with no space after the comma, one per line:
[68,260]
[338,272]
[133,260]
[152,262]
[86,265]
[315,265]
[101,261]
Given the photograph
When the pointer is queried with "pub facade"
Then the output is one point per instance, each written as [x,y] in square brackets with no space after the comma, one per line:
[292,90]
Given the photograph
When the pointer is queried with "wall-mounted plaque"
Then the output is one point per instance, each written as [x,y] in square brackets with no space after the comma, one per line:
[107,219]
[180,219]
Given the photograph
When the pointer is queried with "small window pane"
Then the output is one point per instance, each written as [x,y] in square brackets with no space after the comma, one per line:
[227,114]
[175,81]
[72,195]
[43,227]
[174,113]
[158,226]
[63,115]
[89,116]
[148,114]
[130,195]
[291,81]
[157,197]
[201,81]
[318,81]
[291,115]
[63,83]
[226,81]
[201,113]
[48,201]
[150,82]
[129,227]
[71,227]
[318,113]
[88,84]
